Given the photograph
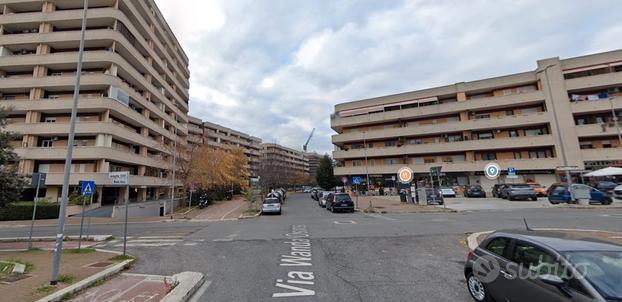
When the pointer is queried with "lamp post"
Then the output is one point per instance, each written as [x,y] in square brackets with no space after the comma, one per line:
[559,135]
[66,173]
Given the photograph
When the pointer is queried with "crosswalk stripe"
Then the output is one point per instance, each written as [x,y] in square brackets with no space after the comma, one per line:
[147,244]
[155,240]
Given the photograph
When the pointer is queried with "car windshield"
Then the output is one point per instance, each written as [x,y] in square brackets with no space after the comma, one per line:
[343,197]
[271,200]
[602,269]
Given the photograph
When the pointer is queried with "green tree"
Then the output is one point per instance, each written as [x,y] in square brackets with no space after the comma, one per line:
[11,184]
[325,175]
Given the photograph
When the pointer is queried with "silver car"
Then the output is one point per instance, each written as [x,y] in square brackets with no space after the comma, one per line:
[271,206]
[322,198]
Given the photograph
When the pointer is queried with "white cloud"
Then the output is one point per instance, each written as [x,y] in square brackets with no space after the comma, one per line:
[276,69]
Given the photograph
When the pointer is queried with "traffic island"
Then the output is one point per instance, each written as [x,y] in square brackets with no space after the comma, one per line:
[79,269]
[392,205]
[473,240]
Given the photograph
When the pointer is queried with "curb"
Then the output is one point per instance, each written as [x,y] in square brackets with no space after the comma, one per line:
[59,295]
[53,238]
[472,239]
[242,216]
[187,284]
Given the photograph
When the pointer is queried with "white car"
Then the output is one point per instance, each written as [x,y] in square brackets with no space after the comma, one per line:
[617,192]
[448,192]
[271,206]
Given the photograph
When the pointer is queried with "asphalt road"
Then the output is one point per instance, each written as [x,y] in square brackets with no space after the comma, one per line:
[353,256]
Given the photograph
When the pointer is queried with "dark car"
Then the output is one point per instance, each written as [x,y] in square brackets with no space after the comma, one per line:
[560,193]
[496,190]
[340,202]
[543,266]
[434,196]
[474,191]
[519,192]
[605,186]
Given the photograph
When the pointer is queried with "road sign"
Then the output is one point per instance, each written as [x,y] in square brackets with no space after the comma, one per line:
[344,180]
[436,170]
[492,171]
[88,188]
[38,179]
[119,178]
[192,188]
[356,180]
[405,175]
[512,172]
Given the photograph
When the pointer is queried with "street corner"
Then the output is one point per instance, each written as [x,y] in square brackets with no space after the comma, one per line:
[143,287]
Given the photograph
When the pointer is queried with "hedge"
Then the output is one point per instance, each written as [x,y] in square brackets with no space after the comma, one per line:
[23,210]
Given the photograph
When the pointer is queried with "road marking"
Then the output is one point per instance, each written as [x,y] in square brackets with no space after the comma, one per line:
[345,222]
[191,244]
[158,237]
[156,240]
[298,282]
[197,295]
[381,217]
[228,237]
[147,244]
[223,216]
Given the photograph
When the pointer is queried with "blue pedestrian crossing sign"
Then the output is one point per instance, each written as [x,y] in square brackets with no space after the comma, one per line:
[356,180]
[88,188]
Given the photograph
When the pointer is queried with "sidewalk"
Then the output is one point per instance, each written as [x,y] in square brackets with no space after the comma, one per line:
[76,221]
[221,210]
[392,205]
[129,287]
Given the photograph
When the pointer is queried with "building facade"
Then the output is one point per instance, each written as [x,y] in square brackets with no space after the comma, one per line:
[563,115]
[195,132]
[281,165]
[314,162]
[133,100]
[218,136]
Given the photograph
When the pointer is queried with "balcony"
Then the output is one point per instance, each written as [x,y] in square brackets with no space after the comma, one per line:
[428,111]
[601,154]
[90,153]
[471,145]
[56,179]
[466,166]
[601,105]
[605,129]
[478,124]
[596,81]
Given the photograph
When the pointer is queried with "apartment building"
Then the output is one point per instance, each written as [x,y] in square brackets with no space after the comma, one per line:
[283,166]
[531,121]
[133,100]
[314,162]
[218,136]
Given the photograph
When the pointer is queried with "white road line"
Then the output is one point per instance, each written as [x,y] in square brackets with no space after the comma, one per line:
[191,244]
[147,244]
[197,295]
[381,217]
[344,222]
[223,216]
[160,237]
[155,240]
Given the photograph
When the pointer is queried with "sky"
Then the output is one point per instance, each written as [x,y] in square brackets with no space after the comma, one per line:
[276,68]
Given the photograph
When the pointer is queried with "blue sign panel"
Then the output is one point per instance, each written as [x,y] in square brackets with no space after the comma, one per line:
[356,180]
[88,188]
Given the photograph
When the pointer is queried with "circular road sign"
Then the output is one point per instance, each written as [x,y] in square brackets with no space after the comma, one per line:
[492,171]
[344,179]
[405,175]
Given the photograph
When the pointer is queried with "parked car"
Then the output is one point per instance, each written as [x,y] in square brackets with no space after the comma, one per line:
[520,192]
[474,191]
[496,190]
[605,186]
[448,192]
[543,266]
[275,194]
[322,197]
[283,192]
[306,190]
[271,206]
[340,202]
[434,196]
[314,194]
[617,192]
[560,193]
[541,190]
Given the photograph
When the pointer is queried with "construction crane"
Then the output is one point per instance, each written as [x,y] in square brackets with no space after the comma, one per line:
[304,147]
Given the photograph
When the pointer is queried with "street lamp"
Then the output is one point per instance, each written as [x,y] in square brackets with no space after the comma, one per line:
[58,248]
[559,135]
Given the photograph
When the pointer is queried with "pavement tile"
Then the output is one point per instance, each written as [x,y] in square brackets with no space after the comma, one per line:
[128,287]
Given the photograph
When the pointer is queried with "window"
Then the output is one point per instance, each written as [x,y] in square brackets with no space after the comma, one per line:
[509,112]
[44,168]
[50,120]
[586,145]
[533,132]
[357,146]
[517,155]
[479,116]
[389,143]
[485,135]
[9,97]
[416,141]
[454,138]
[530,110]
[357,163]
[418,160]
[47,143]
[606,144]
[498,246]
[540,154]
[513,133]
[536,260]
[429,160]
[507,92]
[489,156]
[390,161]
[580,121]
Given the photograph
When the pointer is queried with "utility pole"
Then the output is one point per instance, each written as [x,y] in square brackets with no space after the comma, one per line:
[58,248]
[559,134]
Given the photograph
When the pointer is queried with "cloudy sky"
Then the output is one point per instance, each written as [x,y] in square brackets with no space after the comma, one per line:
[276,68]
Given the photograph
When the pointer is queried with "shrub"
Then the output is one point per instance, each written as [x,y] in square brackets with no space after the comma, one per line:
[22,210]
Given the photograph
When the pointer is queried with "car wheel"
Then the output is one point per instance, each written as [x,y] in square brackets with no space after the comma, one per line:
[477,289]
[553,202]
[510,198]
[608,201]
[534,198]
[279,212]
